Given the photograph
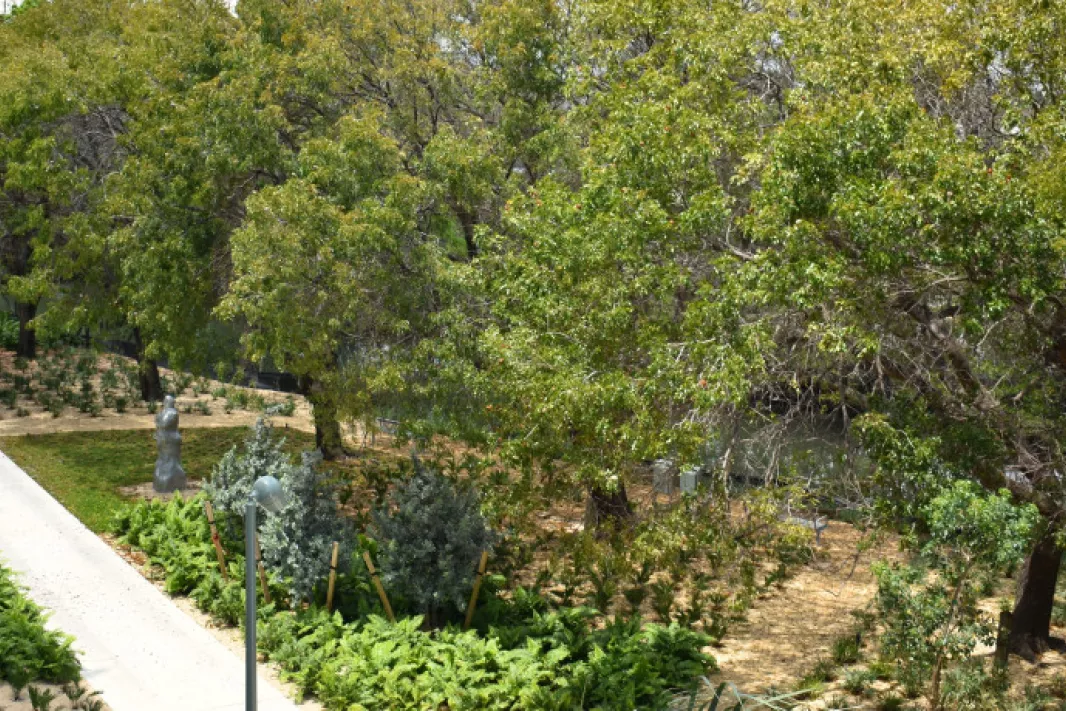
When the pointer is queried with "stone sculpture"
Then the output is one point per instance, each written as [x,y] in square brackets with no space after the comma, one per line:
[689,479]
[664,476]
[169,476]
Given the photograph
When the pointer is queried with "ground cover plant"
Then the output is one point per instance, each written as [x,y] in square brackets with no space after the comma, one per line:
[528,648]
[69,379]
[28,651]
[527,656]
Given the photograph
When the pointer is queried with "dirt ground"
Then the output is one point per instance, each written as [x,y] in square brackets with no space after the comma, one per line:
[137,417]
[62,702]
[788,630]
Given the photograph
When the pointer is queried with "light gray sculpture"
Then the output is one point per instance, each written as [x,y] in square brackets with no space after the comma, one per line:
[689,479]
[664,476]
[169,476]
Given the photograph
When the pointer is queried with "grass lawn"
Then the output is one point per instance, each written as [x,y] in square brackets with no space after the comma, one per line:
[84,470]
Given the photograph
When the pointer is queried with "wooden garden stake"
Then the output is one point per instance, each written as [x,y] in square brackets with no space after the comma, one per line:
[216,540]
[332,577]
[477,589]
[262,571]
[1003,638]
[377,584]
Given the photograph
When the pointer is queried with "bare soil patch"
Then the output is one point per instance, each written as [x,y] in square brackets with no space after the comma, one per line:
[788,631]
[137,416]
[146,492]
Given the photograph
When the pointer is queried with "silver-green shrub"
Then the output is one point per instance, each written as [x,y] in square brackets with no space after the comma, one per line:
[231,482]
[297,542]
[431,534]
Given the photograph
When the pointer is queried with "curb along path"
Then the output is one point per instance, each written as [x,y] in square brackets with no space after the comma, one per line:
[140,650]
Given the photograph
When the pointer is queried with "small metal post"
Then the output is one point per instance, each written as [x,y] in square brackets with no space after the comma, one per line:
[249,605]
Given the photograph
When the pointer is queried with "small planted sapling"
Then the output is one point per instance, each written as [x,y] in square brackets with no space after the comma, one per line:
[231,483]
[431,535]
[41,698]
[932,622]
[298,540]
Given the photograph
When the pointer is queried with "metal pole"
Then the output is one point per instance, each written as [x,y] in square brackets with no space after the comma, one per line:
[249,605]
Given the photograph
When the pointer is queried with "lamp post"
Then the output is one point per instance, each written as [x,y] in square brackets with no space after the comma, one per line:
[266,492]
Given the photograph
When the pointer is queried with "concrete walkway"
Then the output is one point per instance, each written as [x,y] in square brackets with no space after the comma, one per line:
[140,650]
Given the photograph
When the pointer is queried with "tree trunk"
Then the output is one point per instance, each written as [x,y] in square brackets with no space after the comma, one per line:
[148,372]
[469,222]
[604,505]
[328,438]
[27,345]
[1031,620]
[151,384]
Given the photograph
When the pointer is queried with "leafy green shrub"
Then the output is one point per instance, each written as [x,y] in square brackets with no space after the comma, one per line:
[109,380]
[856,681]
[182,383]
[9,331]
[890,703]
[54,406]
[823,670]
[282,409]
[22,383]
[81,698]
[973,686]
[236,399]
[846,649]
[931,623]
[9,397]
[837,701]
[28,651]
[41,699]
[431,535]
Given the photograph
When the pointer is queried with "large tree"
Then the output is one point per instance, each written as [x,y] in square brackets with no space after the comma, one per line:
[61,114]
[905,252]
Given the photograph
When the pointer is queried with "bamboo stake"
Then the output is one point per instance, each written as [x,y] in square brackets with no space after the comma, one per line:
[216,540]
[477,589]
[377,584]
[332,578]
[262,571]
[1003,638]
